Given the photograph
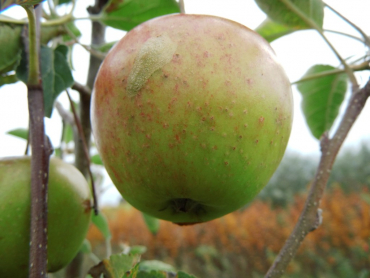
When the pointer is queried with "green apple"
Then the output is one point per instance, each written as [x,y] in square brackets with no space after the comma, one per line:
[191,115]
[69,213]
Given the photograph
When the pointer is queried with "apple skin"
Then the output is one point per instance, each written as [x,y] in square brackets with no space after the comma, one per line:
[191,115]
[69,214]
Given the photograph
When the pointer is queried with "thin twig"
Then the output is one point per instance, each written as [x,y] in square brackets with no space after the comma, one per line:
[344,34]
[359,67]
[313,25]
[86,151]
[82,89]
[310,216]
[358,29]
[92,51]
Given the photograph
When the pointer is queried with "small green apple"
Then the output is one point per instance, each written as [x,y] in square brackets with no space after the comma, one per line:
[191,115]
[69,213]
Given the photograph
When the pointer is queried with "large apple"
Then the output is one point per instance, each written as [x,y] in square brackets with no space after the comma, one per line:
[69,213]
[191,115]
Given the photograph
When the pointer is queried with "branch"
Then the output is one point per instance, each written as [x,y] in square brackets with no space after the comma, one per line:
[86,151]
[310,216]
[358,29]
[313,25]
[359,67]
[82,89]
[41,151]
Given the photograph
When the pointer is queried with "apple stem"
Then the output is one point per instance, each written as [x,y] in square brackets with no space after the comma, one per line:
[310,217]
[41,151]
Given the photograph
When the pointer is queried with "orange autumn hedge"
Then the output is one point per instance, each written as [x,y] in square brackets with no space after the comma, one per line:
[244,243]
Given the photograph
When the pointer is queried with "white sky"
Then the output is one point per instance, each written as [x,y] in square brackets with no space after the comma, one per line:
[296,52]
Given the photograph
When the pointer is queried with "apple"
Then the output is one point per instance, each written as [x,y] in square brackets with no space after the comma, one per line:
[69,213]
[191,115]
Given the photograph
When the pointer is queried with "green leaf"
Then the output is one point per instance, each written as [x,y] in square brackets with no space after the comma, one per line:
[68,134]
[8,79]
[60,2]
[106,47]
[10,50]
[115,267]
[322,98]
[152,274]
[272,30]
[73,29]
[96,159]
[50,32]
[85,247]
[19,132]
[138,250]
[126,14]
[182,274]
[281,13]
[55,73]
[155,265]
[152,223]
[101,222]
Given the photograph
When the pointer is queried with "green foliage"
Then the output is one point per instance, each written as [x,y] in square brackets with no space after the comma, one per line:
[322,98]
[126,14]
[152,223]
[96,159]
[19,132]
[100,221]
[55,74]
[10,52]
[281,11]
[155,265]
[272,30]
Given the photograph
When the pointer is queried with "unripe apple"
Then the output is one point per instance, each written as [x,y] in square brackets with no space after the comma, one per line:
[191,115]
[69,213]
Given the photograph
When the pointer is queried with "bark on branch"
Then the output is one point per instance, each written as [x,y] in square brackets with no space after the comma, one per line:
[310,217]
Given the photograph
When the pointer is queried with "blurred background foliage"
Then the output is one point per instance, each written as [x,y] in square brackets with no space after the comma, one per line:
[244,243]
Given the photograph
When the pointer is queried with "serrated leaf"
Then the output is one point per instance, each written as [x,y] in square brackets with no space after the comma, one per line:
[85,247]
[126,14]
[96,159]
[282,13]
[55,73]
[182,274]
[101,222]
[322,98]
[155,265]
[115,267]
[272,30]
[10,50]
[19,132]
[152,223]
